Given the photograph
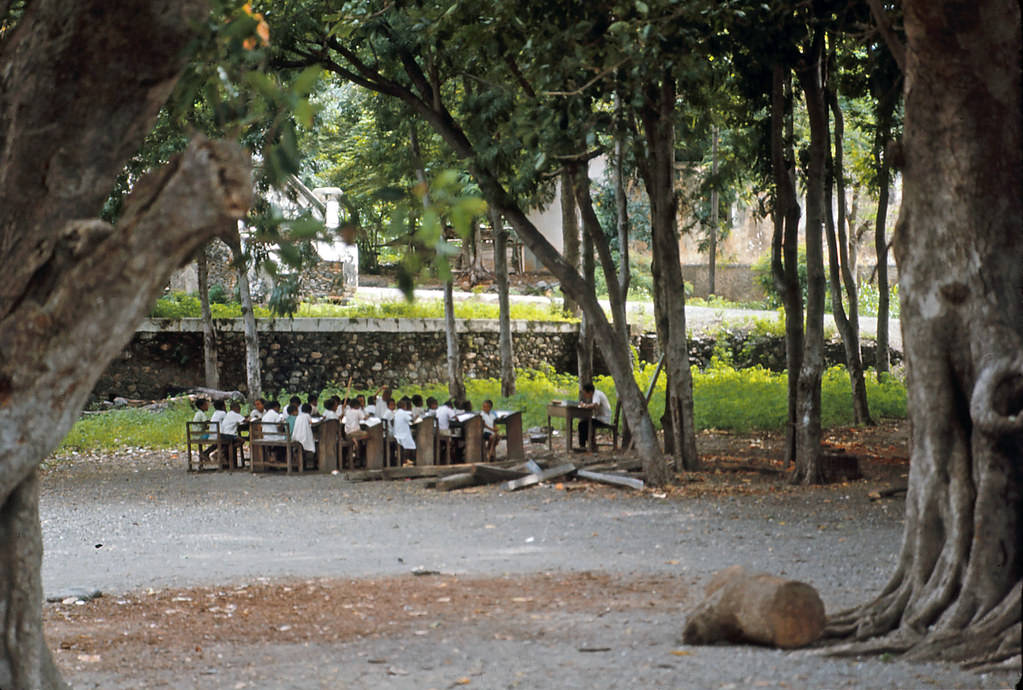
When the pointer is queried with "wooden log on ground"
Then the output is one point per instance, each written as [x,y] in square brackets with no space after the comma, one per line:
[414,472]
[758,608]
[460,480]
[886,493]
[492,474]
[612,479]
[537,477]
[214,394]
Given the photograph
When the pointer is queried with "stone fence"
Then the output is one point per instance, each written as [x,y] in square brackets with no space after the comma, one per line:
[308,354]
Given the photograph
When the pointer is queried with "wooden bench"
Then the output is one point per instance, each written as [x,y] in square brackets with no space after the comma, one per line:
[199,434]
[263,448]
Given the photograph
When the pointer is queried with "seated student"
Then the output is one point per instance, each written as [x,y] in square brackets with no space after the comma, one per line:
[403,428]
[229,427]
[330,408]
[445,413]
[353,418]
[272,421]
[314,404]
[303,432]
[292,415]
[598,402]
[388,412]
[370,407]
[258,408]
[431,407]
[417,409]
[382,397]
[490,435]
[216,418]
[201,406]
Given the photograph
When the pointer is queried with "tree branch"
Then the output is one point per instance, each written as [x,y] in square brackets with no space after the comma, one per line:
[588,84]
[884,25]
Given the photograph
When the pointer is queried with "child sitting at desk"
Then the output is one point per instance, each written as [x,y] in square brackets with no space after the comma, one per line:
[330,408]
[403,428]
[303,432]
[353,418]
[598,402]
[490,435]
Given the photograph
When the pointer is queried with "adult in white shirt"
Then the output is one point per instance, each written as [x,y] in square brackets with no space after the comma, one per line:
[598,402]
[303,431]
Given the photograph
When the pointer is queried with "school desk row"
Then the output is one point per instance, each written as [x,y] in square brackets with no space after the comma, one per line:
[374,448]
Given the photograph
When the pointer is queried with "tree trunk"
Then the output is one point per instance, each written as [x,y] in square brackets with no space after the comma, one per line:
[669,288]
[209,333]
[253,375]
[784,243]
[713,237]
[569,231]
[78,312]
[621,209]
[74,290]
[955,594]
[504,342]
[881,159]
[456,387]
[584,348]
[840,273]
[809,469]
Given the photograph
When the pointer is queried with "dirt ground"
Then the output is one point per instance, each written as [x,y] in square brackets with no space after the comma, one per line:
[603,610]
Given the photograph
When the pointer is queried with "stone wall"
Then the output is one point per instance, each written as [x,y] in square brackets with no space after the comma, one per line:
[304,354]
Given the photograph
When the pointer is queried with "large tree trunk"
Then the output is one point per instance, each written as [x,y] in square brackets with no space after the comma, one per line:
[456,387]
[621,207]
[504,338]
[809,469]
[840,274]
[74,290]
[253,374]
[569,231]
[956,591]
[209,333]
[784,243]
[883,164]
[584,347]
[669,289]
[712,239]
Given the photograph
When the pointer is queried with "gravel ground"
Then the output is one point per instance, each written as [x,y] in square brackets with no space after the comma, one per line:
[138,521]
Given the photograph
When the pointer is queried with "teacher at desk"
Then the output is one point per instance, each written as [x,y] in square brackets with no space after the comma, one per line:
[593,399]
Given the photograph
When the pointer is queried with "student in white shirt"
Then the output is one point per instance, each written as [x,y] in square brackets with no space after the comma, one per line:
[598,402]
[314,404]
[303,432]
[382,398]
[272,421]
[258,408]
[445,413]
[353,418]
[417,409]
[330,408]
[403,428]
[229,426]
[201,406]
[490,435]
[219,412]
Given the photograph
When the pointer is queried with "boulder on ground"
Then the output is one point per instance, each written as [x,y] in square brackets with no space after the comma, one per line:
[758,608]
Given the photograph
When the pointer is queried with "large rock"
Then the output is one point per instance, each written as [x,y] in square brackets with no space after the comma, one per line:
[758,608]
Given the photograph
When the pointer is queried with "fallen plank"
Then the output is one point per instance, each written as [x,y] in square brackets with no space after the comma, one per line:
[456,481]
[415,472]
[886,493]
[613,479]
[537,477]
[492,474]
[531,466]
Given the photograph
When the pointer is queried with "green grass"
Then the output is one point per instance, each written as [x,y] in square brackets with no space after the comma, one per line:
[726,398]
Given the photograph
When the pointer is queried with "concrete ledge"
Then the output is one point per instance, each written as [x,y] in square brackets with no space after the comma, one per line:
[353,325]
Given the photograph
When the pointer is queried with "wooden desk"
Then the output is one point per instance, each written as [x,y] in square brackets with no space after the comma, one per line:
[375,446]
[472,436]
[512,420]
[328,444]
[568,413]
[425,433]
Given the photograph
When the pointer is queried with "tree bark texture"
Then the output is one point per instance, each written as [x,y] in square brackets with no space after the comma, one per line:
[253,374]
[569,230]
[584,347]
[504,338]
[839,273]
[209,333]
[809,469]
[882,161]
[80,86]
[956,591]
[712,240]
[784,243]
[621,209]
[658,173]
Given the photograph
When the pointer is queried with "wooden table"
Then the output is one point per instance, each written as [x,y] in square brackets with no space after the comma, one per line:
[472,436]
[328,444]
[512,420]
[568,413]
[374,446]
[425,433]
